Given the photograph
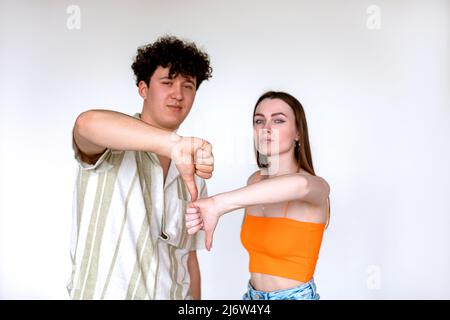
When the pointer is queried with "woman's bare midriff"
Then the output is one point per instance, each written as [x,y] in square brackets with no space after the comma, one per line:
[266,282]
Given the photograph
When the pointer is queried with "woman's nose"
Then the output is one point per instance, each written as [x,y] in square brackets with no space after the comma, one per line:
[267,126]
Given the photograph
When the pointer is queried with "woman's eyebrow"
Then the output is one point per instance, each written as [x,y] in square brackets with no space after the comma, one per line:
[278,113]
[273,114]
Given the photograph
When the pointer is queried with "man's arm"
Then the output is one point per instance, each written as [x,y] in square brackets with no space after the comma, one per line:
[96,130]
[194,273]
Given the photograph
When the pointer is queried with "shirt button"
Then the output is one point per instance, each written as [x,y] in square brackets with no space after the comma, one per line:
[164,236]
[257,296]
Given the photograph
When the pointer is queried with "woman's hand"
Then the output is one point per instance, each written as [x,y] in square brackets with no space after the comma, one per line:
[203,214]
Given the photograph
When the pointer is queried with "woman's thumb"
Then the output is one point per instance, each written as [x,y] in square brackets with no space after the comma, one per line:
[209,239]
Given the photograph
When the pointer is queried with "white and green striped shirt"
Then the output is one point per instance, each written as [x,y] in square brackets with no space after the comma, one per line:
[129,239]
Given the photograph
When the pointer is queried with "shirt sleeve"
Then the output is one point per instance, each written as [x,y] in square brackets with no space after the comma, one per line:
[100,165]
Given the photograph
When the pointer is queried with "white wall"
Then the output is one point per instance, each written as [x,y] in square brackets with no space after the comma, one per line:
[376,100]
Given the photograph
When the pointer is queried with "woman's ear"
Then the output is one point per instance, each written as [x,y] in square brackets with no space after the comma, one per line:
[297,134]
[143,89]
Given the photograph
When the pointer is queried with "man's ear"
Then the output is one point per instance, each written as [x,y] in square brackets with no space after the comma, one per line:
[143,89]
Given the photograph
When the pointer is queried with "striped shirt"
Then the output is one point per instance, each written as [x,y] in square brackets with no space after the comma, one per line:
[129,239]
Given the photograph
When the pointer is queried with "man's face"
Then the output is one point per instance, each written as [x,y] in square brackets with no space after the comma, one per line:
[167,101]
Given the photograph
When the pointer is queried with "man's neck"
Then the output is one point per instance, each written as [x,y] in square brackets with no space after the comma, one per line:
[148,119]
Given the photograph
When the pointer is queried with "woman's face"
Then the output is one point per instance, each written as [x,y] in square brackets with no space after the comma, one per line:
[274,127]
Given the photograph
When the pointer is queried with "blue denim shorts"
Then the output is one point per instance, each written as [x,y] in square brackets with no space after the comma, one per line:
[306,291]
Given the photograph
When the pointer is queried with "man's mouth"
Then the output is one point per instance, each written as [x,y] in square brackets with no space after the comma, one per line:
[175,107]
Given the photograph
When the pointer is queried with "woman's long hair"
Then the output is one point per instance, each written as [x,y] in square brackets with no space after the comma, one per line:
[302,149]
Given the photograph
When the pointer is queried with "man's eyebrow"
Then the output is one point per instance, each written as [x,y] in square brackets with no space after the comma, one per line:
[273,114]
[190,80]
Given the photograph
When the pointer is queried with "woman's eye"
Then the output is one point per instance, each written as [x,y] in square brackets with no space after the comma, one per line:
[279,121]
[258,121]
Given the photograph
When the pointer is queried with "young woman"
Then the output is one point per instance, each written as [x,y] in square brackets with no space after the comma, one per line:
[287,205]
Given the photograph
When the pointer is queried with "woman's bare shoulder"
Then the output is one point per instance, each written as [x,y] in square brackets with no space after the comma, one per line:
[317,182]
[254,177]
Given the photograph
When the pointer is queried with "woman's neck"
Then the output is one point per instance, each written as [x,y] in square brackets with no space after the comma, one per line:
[281,164]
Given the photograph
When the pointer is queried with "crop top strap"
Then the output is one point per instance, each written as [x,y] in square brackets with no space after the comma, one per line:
[286,206]
[286,209]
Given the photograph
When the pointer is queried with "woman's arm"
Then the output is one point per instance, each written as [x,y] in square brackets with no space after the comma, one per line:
[288,187]
[205,213]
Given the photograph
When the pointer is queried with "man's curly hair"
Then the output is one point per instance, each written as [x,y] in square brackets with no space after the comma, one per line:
[183,58]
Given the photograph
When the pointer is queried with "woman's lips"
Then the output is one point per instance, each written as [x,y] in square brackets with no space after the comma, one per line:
[266,141]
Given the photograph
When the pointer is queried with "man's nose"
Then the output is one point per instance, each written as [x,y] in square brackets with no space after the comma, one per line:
[177,92]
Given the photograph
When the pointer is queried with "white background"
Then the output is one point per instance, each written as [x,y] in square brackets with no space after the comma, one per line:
[376,101]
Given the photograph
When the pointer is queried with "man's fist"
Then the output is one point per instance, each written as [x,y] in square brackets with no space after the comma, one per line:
[193,156]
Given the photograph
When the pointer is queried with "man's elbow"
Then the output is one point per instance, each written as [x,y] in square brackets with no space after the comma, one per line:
[83,123]
[83,134]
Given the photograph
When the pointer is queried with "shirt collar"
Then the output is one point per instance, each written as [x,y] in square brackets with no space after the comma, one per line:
[172,173]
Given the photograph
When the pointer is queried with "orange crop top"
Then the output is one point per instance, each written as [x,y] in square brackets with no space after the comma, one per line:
[282,246]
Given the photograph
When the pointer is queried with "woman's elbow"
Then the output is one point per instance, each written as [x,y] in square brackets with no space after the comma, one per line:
[303,186]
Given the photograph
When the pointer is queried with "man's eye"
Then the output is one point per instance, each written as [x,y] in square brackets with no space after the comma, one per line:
[167,83]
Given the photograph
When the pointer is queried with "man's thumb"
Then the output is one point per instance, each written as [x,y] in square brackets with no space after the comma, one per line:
[192,187]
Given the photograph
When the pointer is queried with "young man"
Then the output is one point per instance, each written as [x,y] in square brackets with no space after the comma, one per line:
[129,239]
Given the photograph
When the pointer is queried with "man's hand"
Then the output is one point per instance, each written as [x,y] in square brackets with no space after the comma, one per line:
[193,156]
